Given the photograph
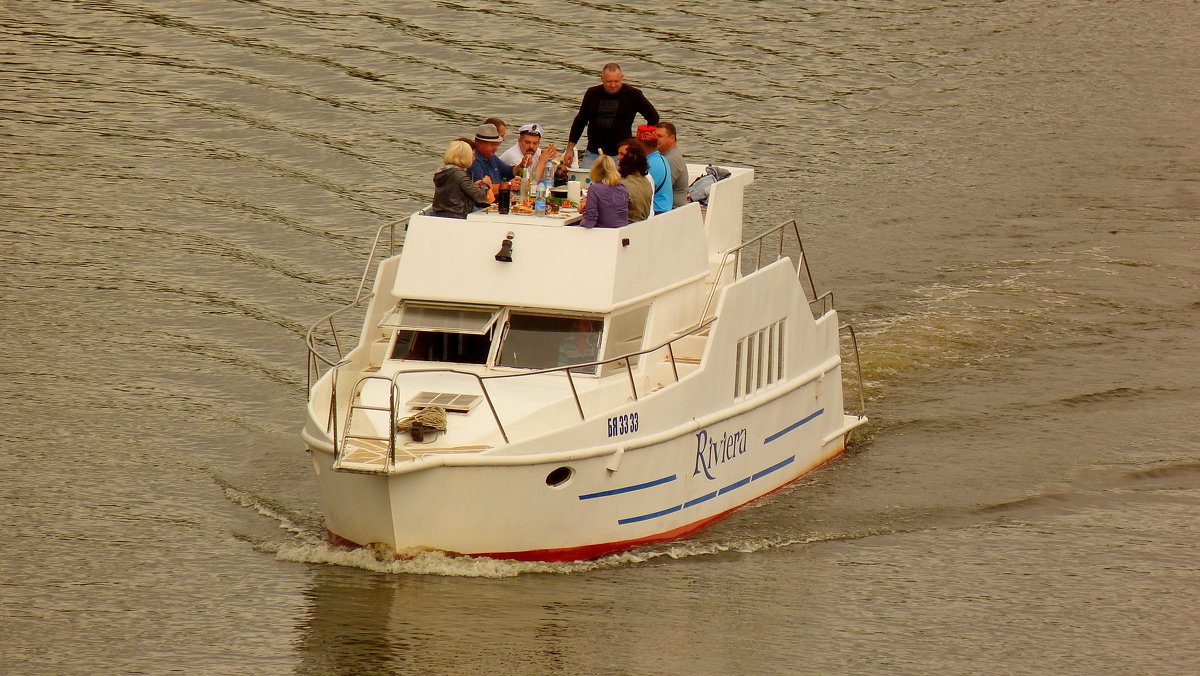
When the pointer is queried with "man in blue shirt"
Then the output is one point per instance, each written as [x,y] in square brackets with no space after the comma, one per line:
[487,141]
[660,169]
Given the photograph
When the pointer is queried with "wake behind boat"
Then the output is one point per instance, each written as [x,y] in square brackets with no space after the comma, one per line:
[529,390]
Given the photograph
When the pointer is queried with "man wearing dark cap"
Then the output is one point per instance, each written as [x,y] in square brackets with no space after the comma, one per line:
[607,111]
[660,169]
[487,141]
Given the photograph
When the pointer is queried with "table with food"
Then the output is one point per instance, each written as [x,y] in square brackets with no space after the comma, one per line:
[558,212]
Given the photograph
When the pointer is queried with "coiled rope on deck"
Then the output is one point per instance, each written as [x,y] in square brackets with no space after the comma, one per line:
[432,417]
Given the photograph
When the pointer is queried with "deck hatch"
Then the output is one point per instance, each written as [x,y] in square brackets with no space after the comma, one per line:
[451,401]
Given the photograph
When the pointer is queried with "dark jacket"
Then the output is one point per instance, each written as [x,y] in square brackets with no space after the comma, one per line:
[609,117]
[454,194]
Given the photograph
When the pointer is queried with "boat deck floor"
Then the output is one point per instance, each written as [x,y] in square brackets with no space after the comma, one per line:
[371,455]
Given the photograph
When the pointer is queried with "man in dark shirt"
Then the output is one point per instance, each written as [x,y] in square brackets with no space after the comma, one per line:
[607,111]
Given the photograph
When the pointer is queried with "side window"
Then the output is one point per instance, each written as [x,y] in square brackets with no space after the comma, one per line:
[758,359]
[626,332]
[533,341]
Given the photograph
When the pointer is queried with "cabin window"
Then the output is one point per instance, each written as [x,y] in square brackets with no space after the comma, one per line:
[458,348]
[460,334]
[539,341]
[758,360]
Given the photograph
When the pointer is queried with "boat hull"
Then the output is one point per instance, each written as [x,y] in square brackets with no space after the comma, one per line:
[609,503]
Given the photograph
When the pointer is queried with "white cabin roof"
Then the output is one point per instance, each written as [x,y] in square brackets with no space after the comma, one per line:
[553,266]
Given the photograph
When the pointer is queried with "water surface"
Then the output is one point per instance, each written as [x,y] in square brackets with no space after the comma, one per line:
[1003,197]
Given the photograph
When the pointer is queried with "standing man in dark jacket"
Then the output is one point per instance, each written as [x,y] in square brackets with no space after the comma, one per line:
[607,111]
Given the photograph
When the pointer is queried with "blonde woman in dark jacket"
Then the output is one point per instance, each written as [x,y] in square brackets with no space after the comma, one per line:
[454,194]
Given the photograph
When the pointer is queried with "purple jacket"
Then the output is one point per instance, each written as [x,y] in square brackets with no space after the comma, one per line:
[607,206]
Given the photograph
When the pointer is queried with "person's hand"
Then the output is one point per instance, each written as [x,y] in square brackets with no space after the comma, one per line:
[550,153]
[569,155]
[515,184]
[582,203]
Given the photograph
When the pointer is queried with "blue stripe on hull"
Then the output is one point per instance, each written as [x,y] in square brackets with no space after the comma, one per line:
[705,498]
[655,515]
[777,466]
[791,427]
[629,489]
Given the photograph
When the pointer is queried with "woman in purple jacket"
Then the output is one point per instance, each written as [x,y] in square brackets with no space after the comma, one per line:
[607,202]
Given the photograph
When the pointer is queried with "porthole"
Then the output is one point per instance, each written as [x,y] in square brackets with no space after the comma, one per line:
[559,477]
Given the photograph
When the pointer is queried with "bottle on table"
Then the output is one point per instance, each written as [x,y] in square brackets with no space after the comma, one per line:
[526,175]
[539,200]
[504,197]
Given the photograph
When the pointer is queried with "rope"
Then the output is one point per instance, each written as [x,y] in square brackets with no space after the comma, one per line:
[433,417]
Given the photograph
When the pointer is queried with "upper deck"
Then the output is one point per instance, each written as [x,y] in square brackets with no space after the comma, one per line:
[566,267]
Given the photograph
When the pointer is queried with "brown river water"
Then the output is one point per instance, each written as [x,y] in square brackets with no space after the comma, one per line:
[1003,195]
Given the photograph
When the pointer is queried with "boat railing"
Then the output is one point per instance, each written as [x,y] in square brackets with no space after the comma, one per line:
[862,397]
[822,304]
[626,361]
[737,255]
[317,361]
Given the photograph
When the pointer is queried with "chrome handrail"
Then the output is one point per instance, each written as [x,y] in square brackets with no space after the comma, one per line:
[826,301]
[315,358]
[862,398]
[736,254]
[339,449]
[627,358]
[391,228]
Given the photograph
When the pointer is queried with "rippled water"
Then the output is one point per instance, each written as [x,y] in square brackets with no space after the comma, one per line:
[1003,196]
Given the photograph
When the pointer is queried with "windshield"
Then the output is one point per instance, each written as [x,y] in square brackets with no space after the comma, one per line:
[547,341]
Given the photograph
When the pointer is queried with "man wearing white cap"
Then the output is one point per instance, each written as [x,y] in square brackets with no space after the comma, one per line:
[527,151]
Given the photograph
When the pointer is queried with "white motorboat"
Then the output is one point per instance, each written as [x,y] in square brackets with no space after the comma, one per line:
[524,389]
